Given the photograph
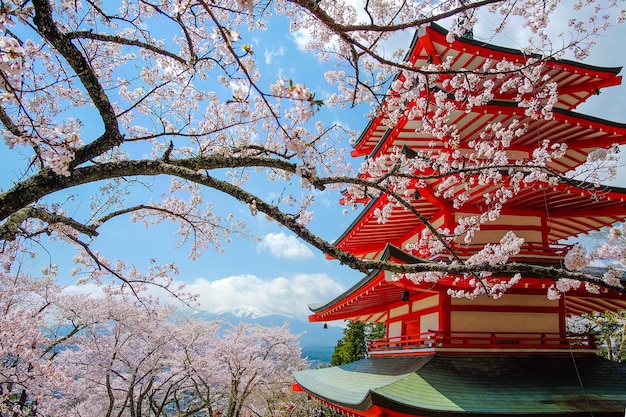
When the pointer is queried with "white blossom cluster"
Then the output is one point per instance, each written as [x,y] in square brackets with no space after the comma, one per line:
[485,286]
[576,258]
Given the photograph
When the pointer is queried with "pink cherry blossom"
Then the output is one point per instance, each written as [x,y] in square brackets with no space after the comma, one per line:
[115,95]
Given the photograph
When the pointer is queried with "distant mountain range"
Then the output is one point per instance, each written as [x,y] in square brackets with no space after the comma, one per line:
[316,342]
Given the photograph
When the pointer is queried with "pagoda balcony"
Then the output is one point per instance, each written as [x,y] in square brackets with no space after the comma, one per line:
[500,342]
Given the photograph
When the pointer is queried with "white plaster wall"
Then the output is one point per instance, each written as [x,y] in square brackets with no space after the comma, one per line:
[429,322]
[394,329]
[484,321]
[425,303]
[399,311]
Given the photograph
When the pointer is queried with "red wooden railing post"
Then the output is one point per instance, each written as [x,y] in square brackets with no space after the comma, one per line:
[439,339]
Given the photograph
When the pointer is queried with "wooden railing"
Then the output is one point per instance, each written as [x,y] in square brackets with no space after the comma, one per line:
[419,341]
[495,340]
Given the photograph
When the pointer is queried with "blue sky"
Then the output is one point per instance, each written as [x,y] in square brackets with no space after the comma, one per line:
[277,274]
[280,274]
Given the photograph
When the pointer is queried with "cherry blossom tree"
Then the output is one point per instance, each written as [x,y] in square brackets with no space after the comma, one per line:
[257,367]
[120,354]
[147,365]
[26,372]
[123,364]
[609,329]
[114,94]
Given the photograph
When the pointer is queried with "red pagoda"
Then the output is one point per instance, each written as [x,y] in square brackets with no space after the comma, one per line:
[445,356]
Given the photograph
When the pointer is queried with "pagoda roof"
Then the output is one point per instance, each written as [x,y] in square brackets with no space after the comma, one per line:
[373,293]
[370,299]
[576,81]
[582,133]
[563,210]
[438,385]
[436,36]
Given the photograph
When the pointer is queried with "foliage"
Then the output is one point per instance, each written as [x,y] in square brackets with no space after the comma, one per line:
[609,327]
[117,94]
[610,333]
[612,248]
[26,371]
[113,356]
[353,345]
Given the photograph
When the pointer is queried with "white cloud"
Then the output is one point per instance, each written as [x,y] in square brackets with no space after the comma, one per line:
[302,38]
[245,294]
[90,289]
[271,54]
[156,292]
[249,294]
[283,246]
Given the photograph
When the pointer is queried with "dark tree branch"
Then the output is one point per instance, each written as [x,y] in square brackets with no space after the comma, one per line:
[9,229]
[112,137]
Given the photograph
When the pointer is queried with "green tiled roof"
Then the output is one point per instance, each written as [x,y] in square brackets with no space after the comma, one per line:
[478,385]
[349,385]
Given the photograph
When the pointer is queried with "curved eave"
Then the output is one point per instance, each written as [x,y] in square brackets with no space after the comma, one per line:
[372,291]
[582,133]
[372,297]
[564,211]
[366,235]
[577,81]
[511,52]
[578,303]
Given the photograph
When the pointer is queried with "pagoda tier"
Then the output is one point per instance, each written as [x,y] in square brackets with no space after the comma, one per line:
[543,215]
[582,134]
[576,81]
[377,299]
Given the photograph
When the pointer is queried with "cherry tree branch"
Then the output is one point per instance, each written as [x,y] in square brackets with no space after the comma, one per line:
[392,25]
[9,229]
[367,266]
[344,31]
[48,29]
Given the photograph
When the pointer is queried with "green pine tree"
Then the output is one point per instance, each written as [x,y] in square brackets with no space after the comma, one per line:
[352,346]
[610,332]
